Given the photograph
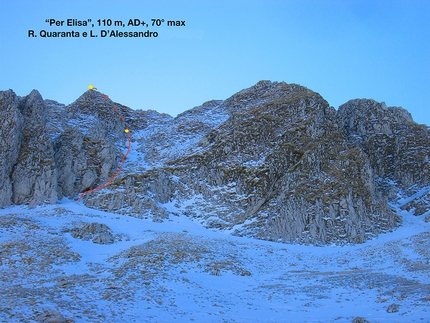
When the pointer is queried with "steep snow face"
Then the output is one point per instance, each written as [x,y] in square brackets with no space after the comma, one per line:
[178,137]
[54,261]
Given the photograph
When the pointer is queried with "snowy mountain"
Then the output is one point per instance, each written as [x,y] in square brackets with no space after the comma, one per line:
[187,225]
[273,161]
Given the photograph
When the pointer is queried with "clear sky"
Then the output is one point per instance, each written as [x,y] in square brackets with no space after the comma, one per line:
[342,49]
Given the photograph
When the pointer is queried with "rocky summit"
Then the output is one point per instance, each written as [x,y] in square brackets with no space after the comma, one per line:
[274,162]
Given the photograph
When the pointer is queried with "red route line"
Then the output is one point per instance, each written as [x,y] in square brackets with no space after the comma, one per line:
[122,160]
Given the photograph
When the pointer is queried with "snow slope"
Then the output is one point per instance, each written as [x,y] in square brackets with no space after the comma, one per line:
[179,271]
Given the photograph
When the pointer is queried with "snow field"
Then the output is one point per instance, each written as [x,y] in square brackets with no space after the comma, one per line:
[179,271]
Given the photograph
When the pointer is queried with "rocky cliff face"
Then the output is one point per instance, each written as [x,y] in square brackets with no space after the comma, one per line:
[397,147]
[49,150]
[87,146]
[10,140]
[29,172]
[274,161]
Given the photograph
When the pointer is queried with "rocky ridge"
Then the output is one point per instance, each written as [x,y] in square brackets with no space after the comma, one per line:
[273,161]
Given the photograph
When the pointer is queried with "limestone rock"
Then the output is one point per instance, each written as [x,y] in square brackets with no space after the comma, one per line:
[397,147]
[283,161]
[97,232]
[84,161]
[51,317]
[104,238]
[360,319]
[35,175]
[32,172]
[86,150]
[420,203]
[93,108]
[393,308]
[11,125]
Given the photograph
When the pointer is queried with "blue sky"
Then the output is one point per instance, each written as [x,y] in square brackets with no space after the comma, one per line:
[341,49]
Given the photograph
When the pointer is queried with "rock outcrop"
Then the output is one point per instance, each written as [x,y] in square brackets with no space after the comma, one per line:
[97,232]
[273,161]
[49,150]
[86,150]
[52,317]
[280,168]
[11,127]
[29,172]
[397,147]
